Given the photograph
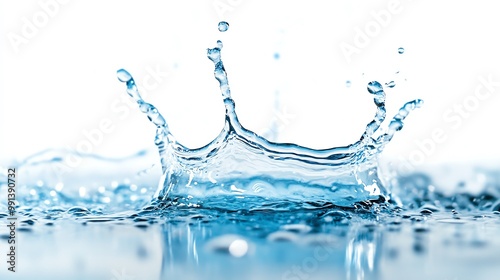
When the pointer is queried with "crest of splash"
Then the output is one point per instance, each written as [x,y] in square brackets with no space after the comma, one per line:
[242,170]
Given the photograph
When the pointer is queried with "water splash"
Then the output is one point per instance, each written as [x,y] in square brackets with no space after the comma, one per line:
[61,179]
[242,170]
[265,182]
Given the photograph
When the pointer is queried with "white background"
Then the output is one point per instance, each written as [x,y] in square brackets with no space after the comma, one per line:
[60,80]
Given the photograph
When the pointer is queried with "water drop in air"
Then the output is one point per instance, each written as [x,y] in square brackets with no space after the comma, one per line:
[375,87]
[123,75]
[401,50]
[223,26]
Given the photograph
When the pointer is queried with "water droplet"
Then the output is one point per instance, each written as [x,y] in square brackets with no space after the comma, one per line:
[401,50]
[223,26]
[390,84]
[238,248]
[430,207]
[348,83]
[123,75]
[375,87]
[78,211]
[28,222]
[233,244]
[335,216]
[426,212]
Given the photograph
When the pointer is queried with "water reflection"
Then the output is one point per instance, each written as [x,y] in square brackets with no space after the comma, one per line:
[295,246]
[362,256]
[287,246]
[236,251]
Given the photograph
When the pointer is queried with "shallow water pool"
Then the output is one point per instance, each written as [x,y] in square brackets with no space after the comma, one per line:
[327,243]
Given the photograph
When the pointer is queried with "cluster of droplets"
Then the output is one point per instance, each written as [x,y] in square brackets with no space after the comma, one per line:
[396,123]
[163,135]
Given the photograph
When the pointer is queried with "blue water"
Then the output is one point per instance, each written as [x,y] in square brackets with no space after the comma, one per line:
[242,170]
[244,207]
